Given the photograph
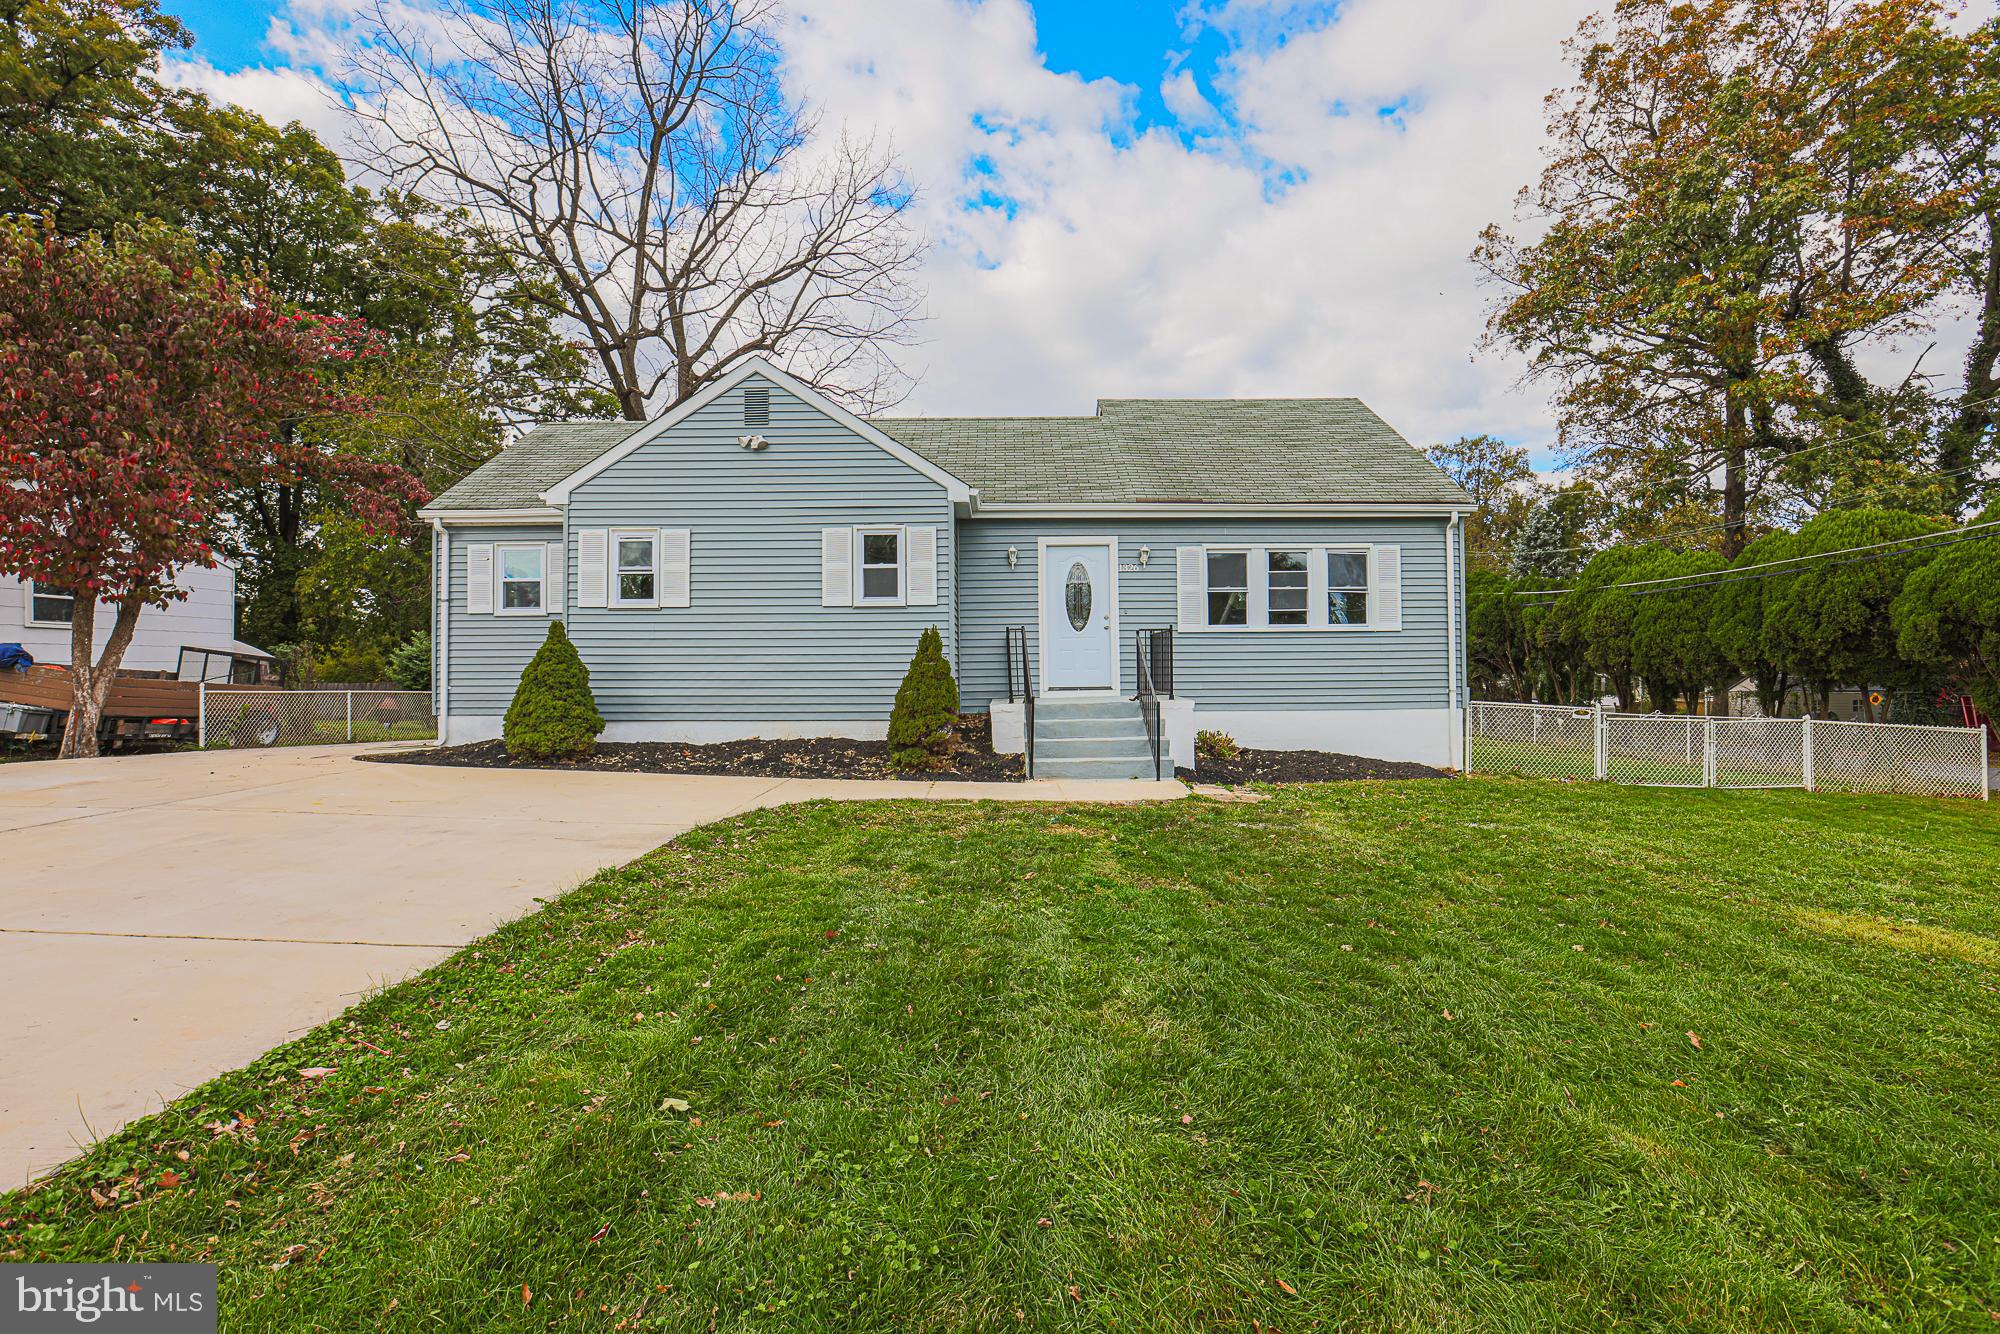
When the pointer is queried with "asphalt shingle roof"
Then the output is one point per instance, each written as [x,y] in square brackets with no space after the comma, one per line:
[1184,451]
[516,477]
[1133,451]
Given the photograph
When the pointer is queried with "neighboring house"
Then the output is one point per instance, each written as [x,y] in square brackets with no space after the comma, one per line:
[759,562]
[37,616]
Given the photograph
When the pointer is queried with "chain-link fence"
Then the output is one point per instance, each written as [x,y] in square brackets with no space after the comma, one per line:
[1675,750]
[240,718]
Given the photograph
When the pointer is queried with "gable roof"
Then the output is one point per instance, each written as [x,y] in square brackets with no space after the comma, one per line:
[516,477]
[1133,451]
[1185,451]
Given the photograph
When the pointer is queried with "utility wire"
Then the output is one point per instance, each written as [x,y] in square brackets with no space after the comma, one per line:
[1850,503]
[1921,542]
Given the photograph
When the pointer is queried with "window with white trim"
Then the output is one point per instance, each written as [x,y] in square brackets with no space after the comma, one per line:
[1229,588]
[1347,587]
[879,557]
[521,570]
[1287,601]
[636,580]
[50,605]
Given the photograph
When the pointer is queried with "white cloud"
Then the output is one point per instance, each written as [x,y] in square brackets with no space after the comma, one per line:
[1076,256]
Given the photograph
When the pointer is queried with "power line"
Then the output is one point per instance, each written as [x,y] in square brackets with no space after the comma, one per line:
[1921,542]
[1850,503]
[1834,444]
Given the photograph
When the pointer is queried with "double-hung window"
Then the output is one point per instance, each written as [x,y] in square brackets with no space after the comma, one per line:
[1229,588]
[1306,587]
[522,576]
[880,561]
[50,605]
[635,582]
[1288,598]
[1346,587]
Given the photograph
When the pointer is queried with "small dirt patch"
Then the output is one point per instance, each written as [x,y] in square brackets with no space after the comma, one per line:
[1302,766]
[972,760]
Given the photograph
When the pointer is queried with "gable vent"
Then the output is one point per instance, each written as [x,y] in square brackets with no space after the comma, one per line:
[756,407]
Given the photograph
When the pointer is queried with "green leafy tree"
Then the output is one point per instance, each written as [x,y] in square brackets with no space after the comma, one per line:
[1593,621]
[80,108]
[553,715]
[1673,649]
[1499,479]
[1497,650]
[1738,192]
[1554,539]
[1736,621]
[410,664]
[1829,624]
[1947,615]
[926,709]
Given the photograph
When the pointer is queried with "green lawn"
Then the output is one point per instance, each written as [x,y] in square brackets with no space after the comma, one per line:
[1410,1054]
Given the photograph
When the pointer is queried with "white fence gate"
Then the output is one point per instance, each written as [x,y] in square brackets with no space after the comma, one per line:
[242,717]
[1678,750]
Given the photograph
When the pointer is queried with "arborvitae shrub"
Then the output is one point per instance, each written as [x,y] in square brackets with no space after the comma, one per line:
[920,724]
[553,716]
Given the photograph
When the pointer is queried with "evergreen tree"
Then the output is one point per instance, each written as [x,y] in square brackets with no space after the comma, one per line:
[920,724]
[553,716]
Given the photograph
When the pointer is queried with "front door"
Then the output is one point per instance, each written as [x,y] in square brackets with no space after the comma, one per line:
[1079,618]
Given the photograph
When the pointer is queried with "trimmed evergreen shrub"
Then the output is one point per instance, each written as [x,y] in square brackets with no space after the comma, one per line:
[553,716]
[920,724]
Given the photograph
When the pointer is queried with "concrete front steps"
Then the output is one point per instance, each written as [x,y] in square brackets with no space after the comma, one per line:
[1092,738]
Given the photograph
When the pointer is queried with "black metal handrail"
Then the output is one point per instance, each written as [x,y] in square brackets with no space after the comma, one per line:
[1020,686]
[1144,644]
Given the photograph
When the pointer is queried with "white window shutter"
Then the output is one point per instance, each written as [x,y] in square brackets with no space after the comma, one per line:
[923,561]
[1316,602]
[676,557]
[1191,576]
[592,582]
[552,576]
[479,585]
[836,567]
[1385,605]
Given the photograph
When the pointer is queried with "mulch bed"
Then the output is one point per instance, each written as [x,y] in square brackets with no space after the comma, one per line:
[815,757]
[1301,766]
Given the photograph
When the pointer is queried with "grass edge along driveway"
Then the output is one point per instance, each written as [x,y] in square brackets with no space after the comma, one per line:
[1493,1053]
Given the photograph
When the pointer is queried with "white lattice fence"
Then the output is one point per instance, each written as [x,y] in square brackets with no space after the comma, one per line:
[1675,750]
[237,718]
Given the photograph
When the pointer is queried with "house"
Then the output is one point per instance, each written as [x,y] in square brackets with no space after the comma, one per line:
[760,562]
[37,617]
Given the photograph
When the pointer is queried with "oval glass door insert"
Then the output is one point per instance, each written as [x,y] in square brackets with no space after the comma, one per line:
[1076,596]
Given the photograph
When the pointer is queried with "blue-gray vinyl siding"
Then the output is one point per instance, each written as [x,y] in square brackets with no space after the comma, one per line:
[755,644]
[484,655]
[1220,669]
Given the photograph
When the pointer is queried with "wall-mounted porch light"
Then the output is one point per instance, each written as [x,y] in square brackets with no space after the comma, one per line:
[1145,555]
[1013,557]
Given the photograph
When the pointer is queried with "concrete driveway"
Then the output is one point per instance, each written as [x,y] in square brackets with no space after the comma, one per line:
[164,918]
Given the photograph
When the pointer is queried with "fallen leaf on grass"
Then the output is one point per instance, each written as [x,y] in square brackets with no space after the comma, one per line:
[317,1071]
[291,1253]
[1695,1038]
[675,1105]
[1286,1288]
[527,1294]
[600,1234]
[169,1179]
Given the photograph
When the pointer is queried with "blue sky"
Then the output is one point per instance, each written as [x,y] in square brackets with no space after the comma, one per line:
[1204,197]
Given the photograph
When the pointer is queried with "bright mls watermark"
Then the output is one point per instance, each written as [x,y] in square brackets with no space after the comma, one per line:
[170,1299]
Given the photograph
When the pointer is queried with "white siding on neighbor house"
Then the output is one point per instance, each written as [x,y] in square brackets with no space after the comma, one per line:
[206,618]
[753,644]
[1233,669]
[486,653]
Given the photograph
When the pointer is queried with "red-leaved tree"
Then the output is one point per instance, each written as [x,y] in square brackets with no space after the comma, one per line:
[138,386]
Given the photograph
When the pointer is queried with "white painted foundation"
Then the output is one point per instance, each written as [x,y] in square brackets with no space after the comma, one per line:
[467,728]
[1419,736]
